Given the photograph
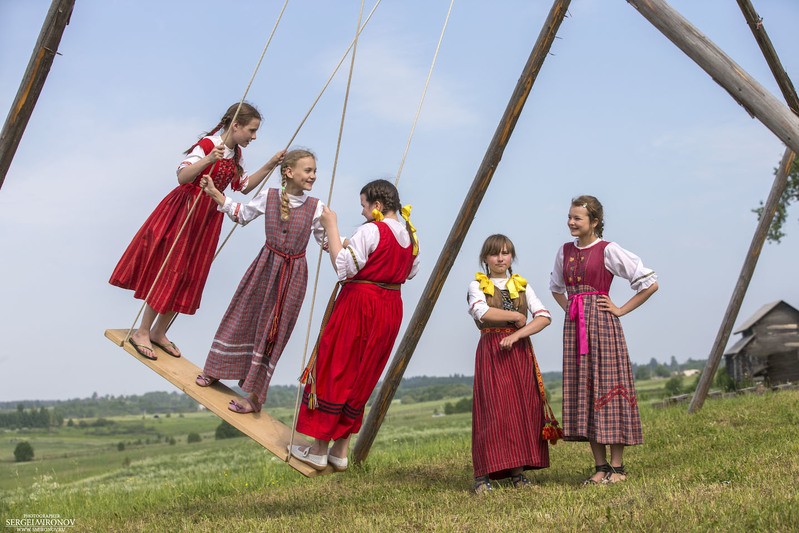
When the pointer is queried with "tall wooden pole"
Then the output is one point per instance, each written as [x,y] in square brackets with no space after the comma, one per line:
[741,86]
[459,230]
[36,74]
[766,217]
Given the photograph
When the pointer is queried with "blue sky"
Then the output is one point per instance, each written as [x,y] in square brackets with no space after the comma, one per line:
[617,112]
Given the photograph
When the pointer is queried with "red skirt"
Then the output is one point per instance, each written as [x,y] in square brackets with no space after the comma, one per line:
[508,414]
[353,351]
[180,285]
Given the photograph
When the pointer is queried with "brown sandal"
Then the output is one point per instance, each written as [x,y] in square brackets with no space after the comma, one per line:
[605,469]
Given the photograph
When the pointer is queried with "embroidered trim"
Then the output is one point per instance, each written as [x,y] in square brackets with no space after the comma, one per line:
[354,259]
[636,280]
[619,390]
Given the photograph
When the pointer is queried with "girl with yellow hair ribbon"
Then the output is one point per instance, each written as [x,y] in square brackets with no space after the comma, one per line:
[364,322]
[510,414]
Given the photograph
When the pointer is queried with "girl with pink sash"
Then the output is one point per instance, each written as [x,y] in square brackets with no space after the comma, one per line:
[599,399]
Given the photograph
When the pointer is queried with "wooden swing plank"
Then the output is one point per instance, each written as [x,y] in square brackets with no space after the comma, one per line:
[261,427]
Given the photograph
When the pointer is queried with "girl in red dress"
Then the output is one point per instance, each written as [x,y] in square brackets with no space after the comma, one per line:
[356,341]
[179,286]
[599,399]
[508,413]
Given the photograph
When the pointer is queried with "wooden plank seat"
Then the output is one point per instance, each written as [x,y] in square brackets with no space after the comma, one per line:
[261,427]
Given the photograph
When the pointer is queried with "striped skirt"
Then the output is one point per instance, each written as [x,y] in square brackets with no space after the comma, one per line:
[508,415]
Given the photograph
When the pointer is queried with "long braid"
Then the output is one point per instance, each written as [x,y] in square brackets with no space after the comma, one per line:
[284,200]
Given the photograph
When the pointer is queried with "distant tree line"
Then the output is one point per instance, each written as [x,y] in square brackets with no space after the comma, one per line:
[109,405]
[30,418]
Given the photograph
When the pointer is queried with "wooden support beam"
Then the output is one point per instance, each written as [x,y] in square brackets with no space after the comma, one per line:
[741,86]
[766,217]
[36,74]
[459,230]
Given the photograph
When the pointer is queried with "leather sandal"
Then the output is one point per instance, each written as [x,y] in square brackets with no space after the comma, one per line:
[482,485]
[519,481]
[605,469]
[615,470]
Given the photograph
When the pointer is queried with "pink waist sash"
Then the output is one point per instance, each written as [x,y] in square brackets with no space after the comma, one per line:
[577,311]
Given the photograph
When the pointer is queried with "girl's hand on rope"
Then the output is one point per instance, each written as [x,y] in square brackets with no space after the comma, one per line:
[328,219]
[216,154]
[208,186]
[277,158]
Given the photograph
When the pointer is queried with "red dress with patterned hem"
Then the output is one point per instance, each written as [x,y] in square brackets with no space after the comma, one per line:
[180,286]
[599,399]
[356,342]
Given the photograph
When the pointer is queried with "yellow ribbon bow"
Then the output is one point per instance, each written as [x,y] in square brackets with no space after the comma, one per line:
[515,284]
[486,285]
[406,214]
[377,215]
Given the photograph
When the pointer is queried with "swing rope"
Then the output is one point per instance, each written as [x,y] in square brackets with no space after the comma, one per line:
[329,202]
[305,118]
[294,136]
[308,370]
[424,93]
[200,193]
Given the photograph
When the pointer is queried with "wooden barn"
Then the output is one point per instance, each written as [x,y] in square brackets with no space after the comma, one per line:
[769,347]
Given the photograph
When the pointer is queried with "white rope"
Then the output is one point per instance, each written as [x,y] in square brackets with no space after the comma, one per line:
[424,93]
[329,202]
[305,118]
[197,199]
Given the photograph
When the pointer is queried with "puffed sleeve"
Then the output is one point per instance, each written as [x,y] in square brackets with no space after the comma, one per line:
[476,301]
[353,258]
[245,213]
[556,282]
[200,150]
[629,266]
[316,224]
[534,304]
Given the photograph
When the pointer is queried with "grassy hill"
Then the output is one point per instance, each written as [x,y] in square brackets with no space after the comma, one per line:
[734,466]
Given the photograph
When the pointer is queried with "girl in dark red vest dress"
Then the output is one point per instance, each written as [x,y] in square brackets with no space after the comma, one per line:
[599,400]
[508,414]
[264,309]
[356,341]
[179,287]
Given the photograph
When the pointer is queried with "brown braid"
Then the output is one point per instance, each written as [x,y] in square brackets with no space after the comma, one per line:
[290,161]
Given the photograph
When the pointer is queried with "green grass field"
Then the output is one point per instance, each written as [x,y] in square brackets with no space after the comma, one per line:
[734,466]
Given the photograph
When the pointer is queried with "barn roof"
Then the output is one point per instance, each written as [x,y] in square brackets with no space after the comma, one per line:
[760,313]
[740,345]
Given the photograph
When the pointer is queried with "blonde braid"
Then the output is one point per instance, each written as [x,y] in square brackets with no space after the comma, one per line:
[284,200]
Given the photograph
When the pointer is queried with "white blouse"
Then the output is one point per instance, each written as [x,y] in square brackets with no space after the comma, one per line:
[618,261]
[245,213]
[198,153]
[478,305]
[364,241]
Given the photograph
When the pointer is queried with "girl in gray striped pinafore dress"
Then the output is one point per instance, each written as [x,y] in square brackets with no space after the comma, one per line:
[259,321]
